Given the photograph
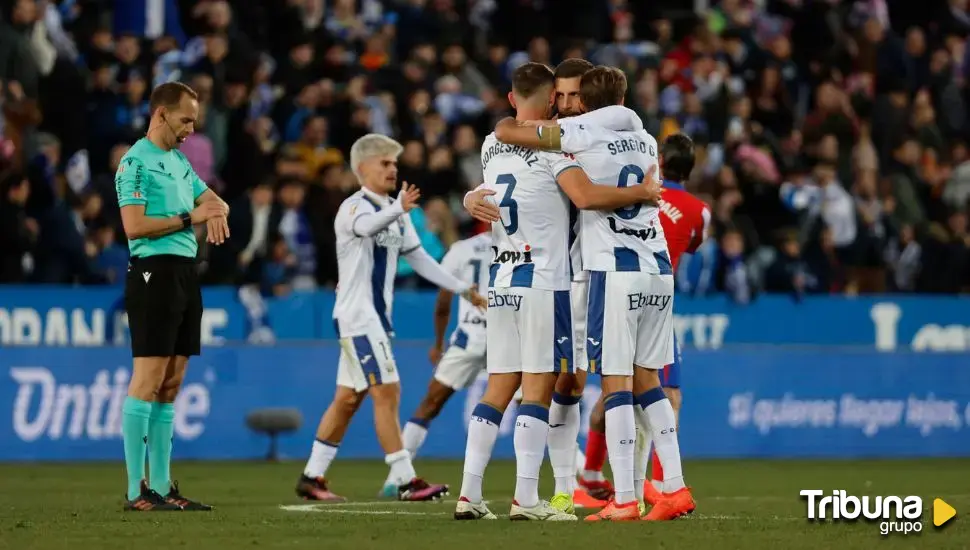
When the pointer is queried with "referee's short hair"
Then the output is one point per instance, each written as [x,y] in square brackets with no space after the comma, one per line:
[370,146]
[169,95]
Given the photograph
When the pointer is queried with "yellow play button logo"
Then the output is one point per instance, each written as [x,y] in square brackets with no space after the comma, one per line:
[942,512]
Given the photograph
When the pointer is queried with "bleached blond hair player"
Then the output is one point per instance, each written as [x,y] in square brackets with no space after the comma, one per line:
[372,231]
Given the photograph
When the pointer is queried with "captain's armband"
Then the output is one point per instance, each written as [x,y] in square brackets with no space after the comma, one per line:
[550,139]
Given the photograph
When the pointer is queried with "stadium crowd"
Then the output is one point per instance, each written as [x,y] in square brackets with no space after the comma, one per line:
[832,135]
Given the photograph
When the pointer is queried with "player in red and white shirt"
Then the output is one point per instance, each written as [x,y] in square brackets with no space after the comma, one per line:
[685,220]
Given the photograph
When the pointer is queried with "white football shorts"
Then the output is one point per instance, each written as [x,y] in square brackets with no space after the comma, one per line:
[461,363]
[366,361]
[529,330]
[629,321]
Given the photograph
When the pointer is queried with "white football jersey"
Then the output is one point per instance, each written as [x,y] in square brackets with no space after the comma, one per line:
[468,260]
[626,239]
[530,246]
[367,266]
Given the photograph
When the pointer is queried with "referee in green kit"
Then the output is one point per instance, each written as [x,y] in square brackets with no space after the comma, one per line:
[161,200]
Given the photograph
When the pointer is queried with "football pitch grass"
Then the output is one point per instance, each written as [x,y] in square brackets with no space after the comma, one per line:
[740,504]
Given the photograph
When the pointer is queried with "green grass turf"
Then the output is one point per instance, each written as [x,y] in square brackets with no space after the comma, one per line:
[741,504]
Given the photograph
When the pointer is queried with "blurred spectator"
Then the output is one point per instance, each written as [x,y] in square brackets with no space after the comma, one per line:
[830,136]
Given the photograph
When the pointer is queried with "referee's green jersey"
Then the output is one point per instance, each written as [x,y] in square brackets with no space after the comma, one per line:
[165,183]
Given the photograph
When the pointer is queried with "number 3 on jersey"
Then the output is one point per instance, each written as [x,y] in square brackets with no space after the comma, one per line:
[508,202]
[629,212]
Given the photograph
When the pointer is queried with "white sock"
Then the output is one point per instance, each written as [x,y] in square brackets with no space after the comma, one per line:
[663,429]
[641,460]
[402,471]
[563,431]
[413,436]
[482,433]
[321,456]
[531,432]
[621,433]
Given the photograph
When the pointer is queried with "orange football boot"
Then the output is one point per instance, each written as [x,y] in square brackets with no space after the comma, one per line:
[650,493]
[617,512]
[672,506]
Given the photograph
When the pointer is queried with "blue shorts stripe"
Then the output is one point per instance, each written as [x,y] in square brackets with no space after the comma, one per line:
[460,339]
[671,373]
[522,275]
[595,312]
[626,259]
[367,360]
[562,333]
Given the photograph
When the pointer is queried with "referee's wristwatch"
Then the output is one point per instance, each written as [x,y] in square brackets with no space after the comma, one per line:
[186,220]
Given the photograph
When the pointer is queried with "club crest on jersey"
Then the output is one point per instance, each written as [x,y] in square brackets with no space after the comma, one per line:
[642,234]
[389,239]
[512,256]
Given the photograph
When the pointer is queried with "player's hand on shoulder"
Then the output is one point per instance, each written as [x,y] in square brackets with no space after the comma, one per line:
[475,298]
[477,204]
[434,355]
[408,197]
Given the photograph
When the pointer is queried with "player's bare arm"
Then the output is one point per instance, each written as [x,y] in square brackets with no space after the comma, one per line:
[528,134]
[588,196]
[139,226]
[442,315]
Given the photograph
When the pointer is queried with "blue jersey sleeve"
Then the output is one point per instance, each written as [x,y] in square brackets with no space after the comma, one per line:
[129,183]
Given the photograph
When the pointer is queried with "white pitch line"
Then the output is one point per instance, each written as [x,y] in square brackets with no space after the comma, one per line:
[326,509]
[335,509]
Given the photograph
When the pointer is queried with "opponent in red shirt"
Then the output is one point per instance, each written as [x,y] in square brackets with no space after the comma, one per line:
[685,220]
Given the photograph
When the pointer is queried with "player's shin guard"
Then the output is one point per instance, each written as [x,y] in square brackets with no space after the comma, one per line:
[482,433]
[659,414]
[321,456]
[563,431]
[413,435]
[531,433]
[161,430]
[621,440]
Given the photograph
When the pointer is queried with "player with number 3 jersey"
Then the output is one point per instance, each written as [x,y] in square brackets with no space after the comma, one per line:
[629,318]
[529,332]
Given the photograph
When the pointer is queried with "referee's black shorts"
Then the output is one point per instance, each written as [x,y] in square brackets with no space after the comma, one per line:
[164,302]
